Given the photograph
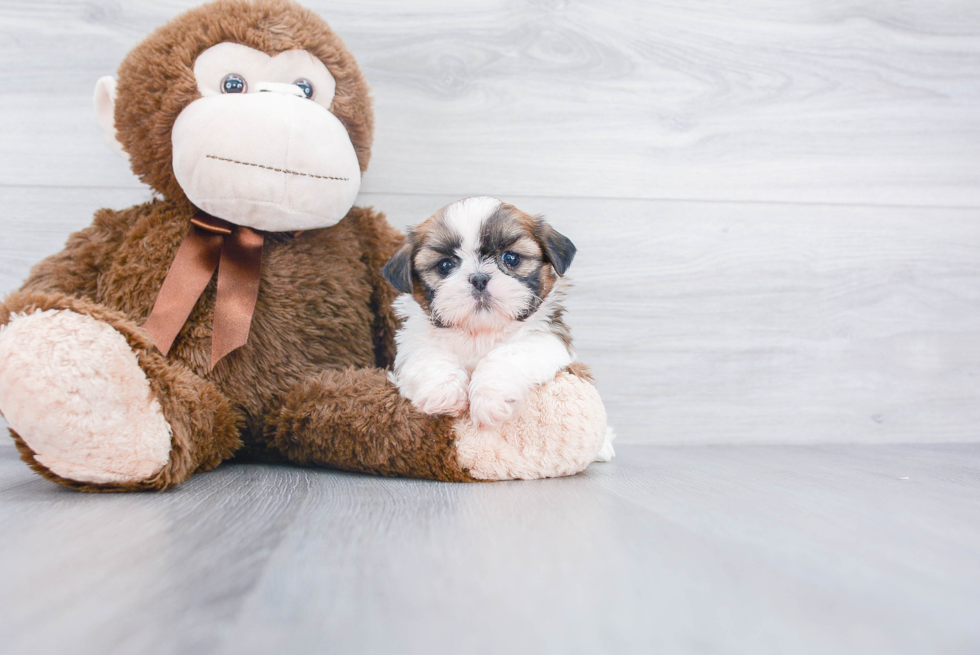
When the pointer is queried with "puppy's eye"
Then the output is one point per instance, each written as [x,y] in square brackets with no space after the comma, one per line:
[510,259]
[233,83]
[306,86]
[445,266]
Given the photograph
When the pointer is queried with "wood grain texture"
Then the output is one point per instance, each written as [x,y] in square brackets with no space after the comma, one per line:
[723,322]
[749,549]
[844,101]
[771,323]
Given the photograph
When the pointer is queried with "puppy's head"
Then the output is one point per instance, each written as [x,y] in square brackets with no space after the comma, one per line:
[479,264]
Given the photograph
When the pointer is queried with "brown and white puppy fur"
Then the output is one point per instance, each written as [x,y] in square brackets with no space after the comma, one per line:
[481,307]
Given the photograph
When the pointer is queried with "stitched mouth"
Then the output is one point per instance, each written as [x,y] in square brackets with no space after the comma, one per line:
[278,170]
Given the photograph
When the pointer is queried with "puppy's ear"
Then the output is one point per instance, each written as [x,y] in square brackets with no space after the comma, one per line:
[398,270]
[558,249]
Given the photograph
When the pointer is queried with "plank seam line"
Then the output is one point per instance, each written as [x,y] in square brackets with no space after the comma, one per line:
[706,201]
[870,205]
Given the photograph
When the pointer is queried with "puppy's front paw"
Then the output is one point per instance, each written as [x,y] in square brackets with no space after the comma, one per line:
[491,405]
[448,396]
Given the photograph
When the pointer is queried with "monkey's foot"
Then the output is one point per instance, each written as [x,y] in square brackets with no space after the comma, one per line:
[560,431]
[72,389]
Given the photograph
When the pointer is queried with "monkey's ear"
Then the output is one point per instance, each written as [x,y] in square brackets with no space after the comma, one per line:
[558,249]
[105,113]
[398,270]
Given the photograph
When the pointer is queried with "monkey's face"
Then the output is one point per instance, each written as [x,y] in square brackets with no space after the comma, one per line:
[260,147]
[253,110]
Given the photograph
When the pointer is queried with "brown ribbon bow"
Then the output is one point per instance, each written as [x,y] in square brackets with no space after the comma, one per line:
[210,243]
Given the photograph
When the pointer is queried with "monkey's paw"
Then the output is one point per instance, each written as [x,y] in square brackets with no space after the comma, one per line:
[72,389]
[559,431]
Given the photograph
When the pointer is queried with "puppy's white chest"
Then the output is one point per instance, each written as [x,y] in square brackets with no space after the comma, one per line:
[470,349]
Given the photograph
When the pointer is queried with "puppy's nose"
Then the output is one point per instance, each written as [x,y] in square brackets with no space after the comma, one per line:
[479,281]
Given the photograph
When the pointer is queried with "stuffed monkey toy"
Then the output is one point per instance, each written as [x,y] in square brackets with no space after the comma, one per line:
[242,312]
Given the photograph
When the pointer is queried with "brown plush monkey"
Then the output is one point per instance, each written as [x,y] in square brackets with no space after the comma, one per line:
[126,363]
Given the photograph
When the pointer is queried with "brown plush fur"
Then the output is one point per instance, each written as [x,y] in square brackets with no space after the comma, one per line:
[356,420]
[323,306]
[581,371]
[205,425]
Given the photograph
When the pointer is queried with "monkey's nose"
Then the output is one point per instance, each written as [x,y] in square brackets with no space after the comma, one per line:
[479,281]
[277,87]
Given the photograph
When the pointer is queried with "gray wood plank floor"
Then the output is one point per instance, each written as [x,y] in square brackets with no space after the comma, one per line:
[740,549]
[777,207]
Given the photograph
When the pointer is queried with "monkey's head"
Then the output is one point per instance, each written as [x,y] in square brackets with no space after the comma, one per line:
[254,112]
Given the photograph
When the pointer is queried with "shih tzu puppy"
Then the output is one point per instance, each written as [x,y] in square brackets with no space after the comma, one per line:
[482,309]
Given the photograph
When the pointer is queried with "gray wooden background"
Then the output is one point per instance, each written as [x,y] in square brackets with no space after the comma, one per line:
[777,209]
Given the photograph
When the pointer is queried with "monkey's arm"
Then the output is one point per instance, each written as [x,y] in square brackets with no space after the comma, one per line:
[356,420]
[75,270]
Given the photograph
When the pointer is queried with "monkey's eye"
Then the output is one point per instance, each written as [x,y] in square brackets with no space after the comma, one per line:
[510,259]
[233,83]
[306,86]
[445,266]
